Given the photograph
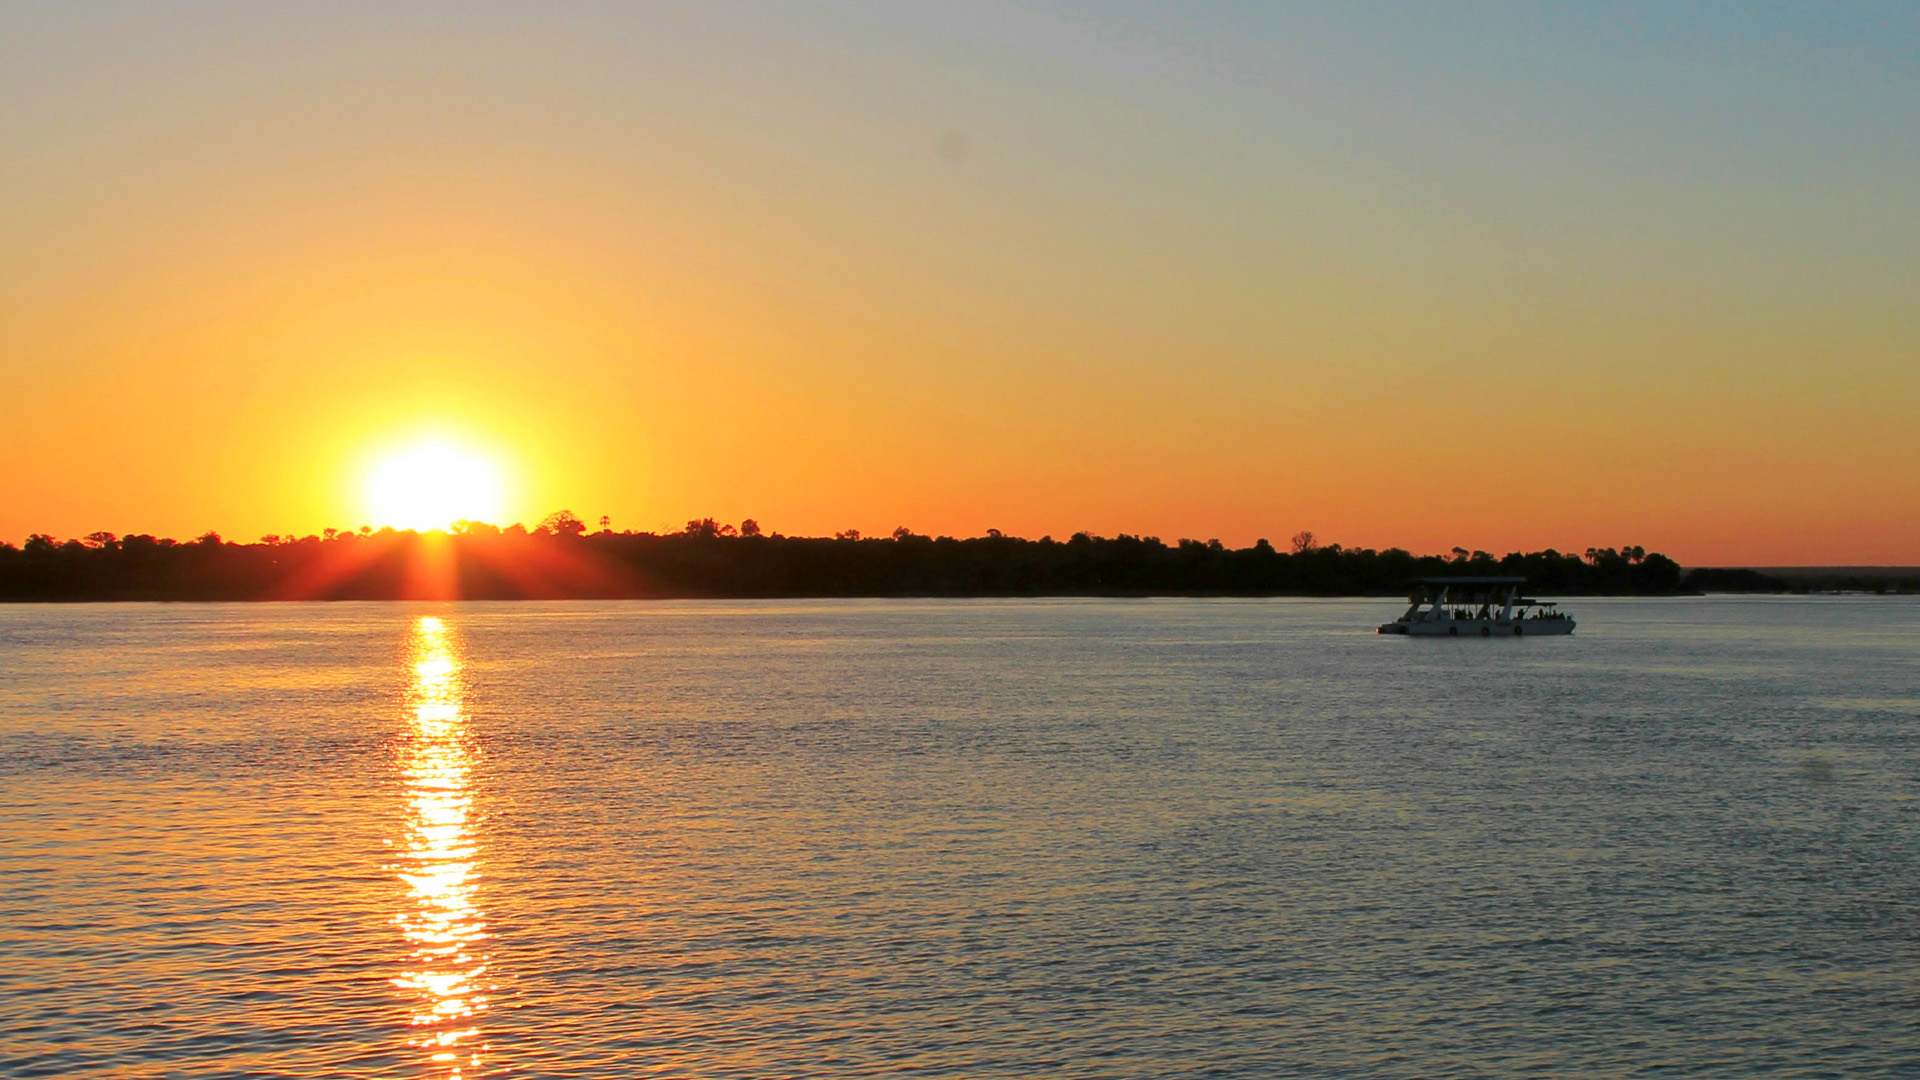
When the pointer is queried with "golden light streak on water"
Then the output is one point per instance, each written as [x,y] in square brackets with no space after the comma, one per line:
[443,924]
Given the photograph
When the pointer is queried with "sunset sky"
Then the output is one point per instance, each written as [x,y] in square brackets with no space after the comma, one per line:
[1498,275]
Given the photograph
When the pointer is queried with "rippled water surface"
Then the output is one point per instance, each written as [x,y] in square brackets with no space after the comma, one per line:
[970,839]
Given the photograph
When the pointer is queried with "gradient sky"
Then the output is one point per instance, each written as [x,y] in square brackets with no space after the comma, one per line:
[1495,275]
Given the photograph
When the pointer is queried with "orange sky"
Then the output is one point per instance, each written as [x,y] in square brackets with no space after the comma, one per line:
[1224,275]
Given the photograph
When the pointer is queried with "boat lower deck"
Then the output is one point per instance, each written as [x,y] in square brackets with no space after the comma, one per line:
[1478,627]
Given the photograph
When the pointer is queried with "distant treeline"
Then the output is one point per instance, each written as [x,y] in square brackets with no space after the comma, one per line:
[561,559]
[1809,579]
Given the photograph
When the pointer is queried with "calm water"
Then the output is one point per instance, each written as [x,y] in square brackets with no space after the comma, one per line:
[1073,838]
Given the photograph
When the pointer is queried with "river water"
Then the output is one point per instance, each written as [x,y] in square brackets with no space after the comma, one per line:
[1077,838]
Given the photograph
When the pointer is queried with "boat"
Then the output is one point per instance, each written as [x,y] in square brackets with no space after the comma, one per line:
[1476,607]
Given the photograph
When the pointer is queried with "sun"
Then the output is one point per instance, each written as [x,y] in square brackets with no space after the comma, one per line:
[431,485]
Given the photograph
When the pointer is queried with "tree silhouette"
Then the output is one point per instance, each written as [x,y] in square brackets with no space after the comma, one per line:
[562,523]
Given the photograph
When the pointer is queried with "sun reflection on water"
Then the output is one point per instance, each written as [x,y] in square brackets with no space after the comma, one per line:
[446,970]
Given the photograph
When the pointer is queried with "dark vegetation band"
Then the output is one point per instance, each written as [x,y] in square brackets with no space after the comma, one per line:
[561,559]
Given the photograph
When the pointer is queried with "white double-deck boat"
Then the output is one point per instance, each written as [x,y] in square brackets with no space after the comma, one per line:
[1477,606]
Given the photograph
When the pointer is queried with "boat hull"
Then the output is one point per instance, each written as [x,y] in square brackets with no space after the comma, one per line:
[1479,628]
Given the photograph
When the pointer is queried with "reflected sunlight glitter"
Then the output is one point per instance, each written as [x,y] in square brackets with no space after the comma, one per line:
[442,924]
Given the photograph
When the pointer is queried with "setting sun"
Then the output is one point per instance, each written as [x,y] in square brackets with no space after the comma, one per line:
[431,486]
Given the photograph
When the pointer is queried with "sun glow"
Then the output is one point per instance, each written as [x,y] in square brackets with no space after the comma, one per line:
[431,486]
